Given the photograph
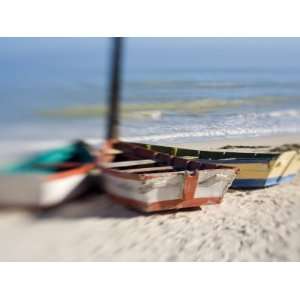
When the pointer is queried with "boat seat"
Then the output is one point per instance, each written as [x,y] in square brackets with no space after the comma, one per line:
[150,169]
[130,163]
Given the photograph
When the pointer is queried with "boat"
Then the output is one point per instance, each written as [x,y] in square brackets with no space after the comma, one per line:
[256,169]
[150,181]
[47,178]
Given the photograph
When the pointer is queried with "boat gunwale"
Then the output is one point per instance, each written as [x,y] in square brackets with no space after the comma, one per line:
[139,152]
[84,168]
[259,157]
[164,205]
[269,153]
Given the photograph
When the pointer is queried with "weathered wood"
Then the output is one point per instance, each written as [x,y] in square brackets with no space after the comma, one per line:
[189,157]
[256,170]
[165,187]
[113,151]
[129,163]
[147,170]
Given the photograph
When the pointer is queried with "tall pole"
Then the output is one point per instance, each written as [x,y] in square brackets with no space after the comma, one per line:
[114,92]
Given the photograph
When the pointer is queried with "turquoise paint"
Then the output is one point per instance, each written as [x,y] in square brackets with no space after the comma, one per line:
[41,163]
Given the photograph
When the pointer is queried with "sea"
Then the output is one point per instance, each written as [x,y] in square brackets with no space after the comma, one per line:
[224,88]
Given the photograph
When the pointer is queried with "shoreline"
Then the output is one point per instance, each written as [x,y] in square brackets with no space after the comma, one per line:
[268,141]
[12,149]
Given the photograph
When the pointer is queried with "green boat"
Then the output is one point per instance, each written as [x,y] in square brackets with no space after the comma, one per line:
[256,169]
[47,178]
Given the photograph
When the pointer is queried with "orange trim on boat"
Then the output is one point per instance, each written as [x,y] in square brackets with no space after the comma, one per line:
[165,204]
[190,185]
[80,170]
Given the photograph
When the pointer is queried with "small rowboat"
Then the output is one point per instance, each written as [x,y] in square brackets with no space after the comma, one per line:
[48,178]
[256,170]
[150,181]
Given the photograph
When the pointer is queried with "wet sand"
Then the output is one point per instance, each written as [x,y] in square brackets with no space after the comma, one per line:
[257,225]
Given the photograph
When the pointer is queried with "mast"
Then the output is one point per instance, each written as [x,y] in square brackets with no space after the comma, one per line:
[114,90]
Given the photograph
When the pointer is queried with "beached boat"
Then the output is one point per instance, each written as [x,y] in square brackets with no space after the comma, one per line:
[47,178]
[151,181]
[256,170]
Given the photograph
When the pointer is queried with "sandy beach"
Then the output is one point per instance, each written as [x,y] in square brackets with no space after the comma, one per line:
[254,225]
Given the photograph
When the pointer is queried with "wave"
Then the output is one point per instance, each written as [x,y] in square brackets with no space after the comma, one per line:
[213,134]
[177,128]
[211,84]
[20,148]
[285,113]
[156,109]
[146,109]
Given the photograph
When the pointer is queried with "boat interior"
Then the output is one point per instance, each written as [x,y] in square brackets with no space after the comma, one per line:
[52,161]
[134,159]
[211,155]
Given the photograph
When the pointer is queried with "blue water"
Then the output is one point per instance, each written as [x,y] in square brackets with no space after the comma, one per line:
[40,74]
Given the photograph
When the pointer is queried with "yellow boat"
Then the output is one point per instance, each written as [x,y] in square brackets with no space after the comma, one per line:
[256,170]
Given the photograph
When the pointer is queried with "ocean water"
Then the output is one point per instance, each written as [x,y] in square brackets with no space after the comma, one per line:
[224,87]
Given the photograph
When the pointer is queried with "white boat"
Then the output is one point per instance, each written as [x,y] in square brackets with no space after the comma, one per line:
[48,178]
[151,181]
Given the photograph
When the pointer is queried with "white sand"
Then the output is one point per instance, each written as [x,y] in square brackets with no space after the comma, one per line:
[259,225]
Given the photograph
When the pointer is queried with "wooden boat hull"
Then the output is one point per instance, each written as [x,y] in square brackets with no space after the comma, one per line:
[33,182]
[261,183]
[168,191]
[262,173]
[42,190]
[157,191]
[256,170]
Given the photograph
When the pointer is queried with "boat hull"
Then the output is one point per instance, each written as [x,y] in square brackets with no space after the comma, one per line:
[264,173]
[256,170]
[47,178]
[261,183]
[167,191]
[40,190]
